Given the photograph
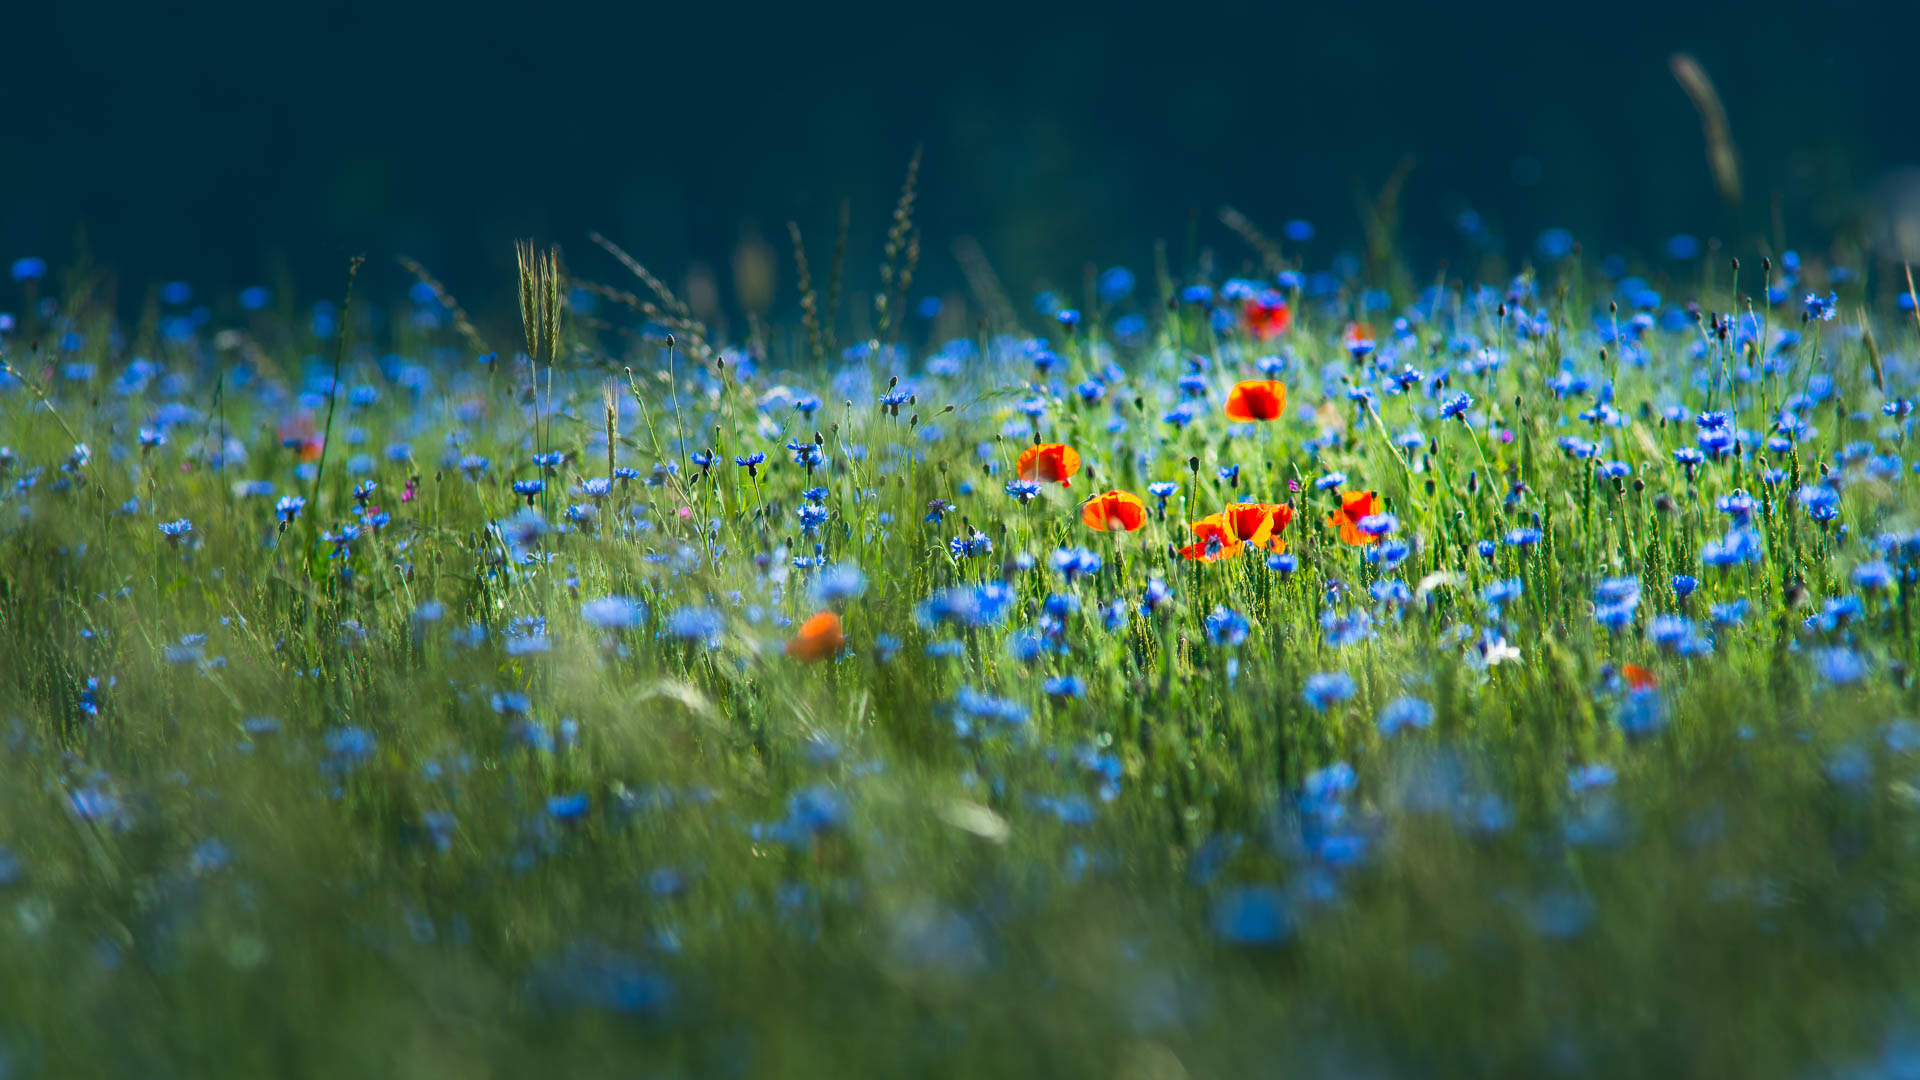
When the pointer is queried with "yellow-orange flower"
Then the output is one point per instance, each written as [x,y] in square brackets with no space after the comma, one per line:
[819,638]
[1115,511]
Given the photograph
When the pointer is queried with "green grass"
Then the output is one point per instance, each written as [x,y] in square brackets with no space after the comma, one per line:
[785,869]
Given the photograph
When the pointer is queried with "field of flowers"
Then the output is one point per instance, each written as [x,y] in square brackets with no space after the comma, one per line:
[1218,669]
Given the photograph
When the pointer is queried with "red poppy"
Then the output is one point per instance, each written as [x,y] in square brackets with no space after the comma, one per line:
[1214,539]
[1260,524]
[1051,462]
[818,638]
[1638,678]
[1267,316]
[1257,399]
[1115,511]
[1355,507]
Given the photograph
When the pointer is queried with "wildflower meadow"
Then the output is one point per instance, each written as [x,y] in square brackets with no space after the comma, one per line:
[1256,660]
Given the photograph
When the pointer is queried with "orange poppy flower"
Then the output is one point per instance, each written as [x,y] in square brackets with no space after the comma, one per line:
[1260,524]
[1053,462]
[1116,511]
[1257,399]
[1266,318]
[818,638]
[1214,539]
[1355,507]
[1638,678]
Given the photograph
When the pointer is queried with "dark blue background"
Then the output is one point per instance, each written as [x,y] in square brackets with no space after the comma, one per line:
[226,143]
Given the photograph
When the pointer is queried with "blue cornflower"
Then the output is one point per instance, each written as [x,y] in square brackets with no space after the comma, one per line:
[1740,545]
[177,530]
[1330,481]
[1684,584]
[1181,415]
[1676,633]
[1378,524]
[975,543]
[1498,594]
[1617,592]
[1071,563]
[1391,591]
[614,612]
[1226,626]
[1323,788]
[1716,442]
[1252,915]
[1349,628]
[807,454]
[1823,309]
[1839,665]
[1641,713]
[288,508]
[1731,613]
[1522,537]
[30,268]
[1873,576]
[1689,457]
[1590,777]
[751,462]
[812,516]
[347,747]
[1737,505]
[1326,689]
[1064,686]
[1155,596]
[1024,490]
[838,584]
[569,807]
[697,623]
[1486,548]
[1821,501]
[965,606]
[1456,406]
[1403,713]
[1026,646]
